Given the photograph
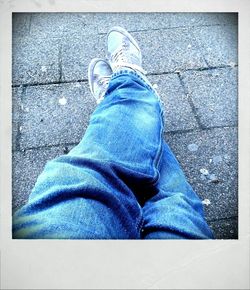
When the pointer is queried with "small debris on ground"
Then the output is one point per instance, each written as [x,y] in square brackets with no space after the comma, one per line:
[204,171]
[213,178]
[193,147]
[44,68]
[62,101]
[206,201]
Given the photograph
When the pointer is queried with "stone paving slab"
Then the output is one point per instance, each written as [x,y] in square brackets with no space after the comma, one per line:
[26,167]
[218,43]
[225,229]
[147,21]
[20,24]
[77,53]
[202,19]
[178,112]
[35,60]
[132,21]
[169,50]
[55,114]
[59,25]
[214,151]
[214,95]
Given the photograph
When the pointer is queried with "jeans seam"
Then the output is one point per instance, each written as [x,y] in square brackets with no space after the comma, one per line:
[156,160]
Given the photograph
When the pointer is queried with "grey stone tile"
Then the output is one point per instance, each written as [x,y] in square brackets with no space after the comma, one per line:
[20,24]
[217,153]
[200,19]
[35,60]
[61,25]
[214,94]
[177,111]
[219,44]
[48,122]
[77,53]
[225,229]
[132,21]
[26,166]
[169,50]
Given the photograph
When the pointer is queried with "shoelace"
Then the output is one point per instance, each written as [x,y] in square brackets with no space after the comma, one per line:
[119,54]
[103,82]
[119,59]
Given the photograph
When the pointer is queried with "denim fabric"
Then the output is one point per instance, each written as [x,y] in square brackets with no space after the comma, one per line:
[120,182]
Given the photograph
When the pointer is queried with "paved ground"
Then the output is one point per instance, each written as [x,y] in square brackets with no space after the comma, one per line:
[191,57]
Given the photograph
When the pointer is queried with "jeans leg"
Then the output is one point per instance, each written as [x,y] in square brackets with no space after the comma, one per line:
[93,192]
[176,211]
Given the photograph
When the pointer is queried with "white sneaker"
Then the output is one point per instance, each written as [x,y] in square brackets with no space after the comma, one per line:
[99,74]
[123,50]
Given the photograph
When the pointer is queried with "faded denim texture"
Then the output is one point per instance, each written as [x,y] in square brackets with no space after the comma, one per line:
[120,182]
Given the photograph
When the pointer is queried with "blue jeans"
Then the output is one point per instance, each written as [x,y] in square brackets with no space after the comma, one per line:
[120,182]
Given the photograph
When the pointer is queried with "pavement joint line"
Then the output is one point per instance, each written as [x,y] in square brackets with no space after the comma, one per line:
[132,31]
[222,219]
[192,69]
[18,136]
[193,108]
[60,63]
[150,74]
[196,130]
[200,47]
[50,83]
[46,147]
[210,68]
[172,27]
